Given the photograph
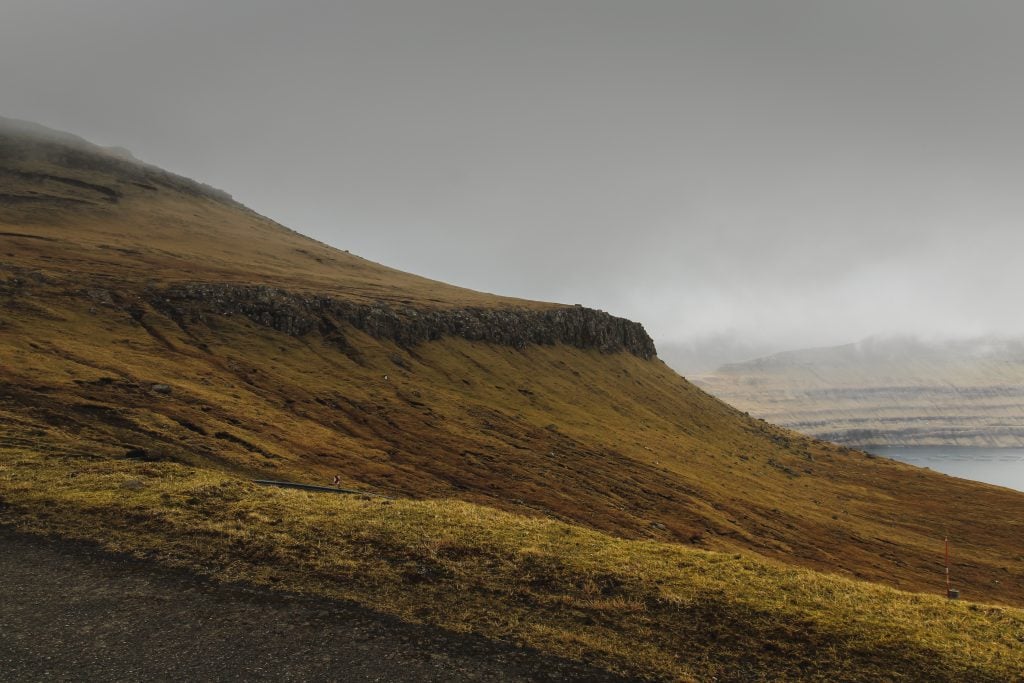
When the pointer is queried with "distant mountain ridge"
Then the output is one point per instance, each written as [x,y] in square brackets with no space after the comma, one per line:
[887,391]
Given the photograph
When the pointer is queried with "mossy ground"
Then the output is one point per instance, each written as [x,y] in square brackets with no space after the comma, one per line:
[639,607]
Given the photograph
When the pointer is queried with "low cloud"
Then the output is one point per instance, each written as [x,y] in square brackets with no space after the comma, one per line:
[769,175]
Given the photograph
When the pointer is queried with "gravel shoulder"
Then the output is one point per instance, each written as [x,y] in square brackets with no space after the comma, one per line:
[69,611]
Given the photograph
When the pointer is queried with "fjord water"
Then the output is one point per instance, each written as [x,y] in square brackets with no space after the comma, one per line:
[1000,466]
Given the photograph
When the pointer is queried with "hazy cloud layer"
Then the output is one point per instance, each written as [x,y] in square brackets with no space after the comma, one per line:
[788,173]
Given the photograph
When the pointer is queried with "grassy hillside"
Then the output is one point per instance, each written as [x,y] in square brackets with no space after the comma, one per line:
[159,343]
[643,608]
[69,206]
[608,440]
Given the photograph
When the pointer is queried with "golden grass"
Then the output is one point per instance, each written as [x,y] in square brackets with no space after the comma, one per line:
[639,607]
[166,237]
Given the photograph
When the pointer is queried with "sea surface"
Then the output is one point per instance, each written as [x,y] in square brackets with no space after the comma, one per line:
[1000,466]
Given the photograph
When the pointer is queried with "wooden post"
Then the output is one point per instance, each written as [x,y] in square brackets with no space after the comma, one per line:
[950,593]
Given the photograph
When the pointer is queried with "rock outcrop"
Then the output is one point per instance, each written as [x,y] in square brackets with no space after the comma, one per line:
[300,314]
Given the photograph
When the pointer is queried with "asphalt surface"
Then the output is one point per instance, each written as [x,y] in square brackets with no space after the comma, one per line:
[69,612]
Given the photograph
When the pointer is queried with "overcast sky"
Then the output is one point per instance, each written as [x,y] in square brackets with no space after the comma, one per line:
[782,173]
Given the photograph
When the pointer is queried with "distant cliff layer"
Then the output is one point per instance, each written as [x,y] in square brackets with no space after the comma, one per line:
[893,392]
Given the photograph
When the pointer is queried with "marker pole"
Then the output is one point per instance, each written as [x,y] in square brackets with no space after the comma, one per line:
[949,590]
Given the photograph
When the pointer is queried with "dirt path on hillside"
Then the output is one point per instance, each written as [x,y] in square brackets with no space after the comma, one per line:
[71,612]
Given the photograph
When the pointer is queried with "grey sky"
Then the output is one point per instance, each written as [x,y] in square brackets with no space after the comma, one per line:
[788,173]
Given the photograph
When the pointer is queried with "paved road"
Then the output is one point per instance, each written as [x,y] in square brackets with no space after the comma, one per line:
[70,612]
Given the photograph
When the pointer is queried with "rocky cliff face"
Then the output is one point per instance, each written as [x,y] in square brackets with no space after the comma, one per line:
[300,314]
